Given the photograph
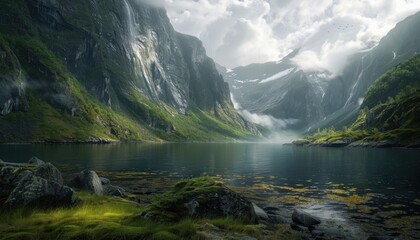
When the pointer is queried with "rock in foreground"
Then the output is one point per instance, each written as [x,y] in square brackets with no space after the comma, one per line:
[201,197]
[49,172]
[37,191]
[305,219]
[89,181]
[23,185]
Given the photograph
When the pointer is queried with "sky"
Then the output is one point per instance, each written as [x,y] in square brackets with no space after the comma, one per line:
[241,32]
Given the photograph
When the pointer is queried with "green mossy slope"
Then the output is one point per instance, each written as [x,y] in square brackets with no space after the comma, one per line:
[61,106]
[390,111]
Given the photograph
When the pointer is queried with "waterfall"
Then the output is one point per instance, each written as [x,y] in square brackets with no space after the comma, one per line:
[135,48]
[357,81]
[131,22]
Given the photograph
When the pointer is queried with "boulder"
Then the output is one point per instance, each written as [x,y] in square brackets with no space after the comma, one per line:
[49,172]
[36,191]
[203,198]
[261,214]
[105,181]
[2,163]
[35,161]
[305,219]
[89,181]
[114,191]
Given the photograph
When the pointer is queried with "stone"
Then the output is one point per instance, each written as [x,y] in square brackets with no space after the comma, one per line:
[49,172]
[305,219]
[2,163]
[36,191]
[89,181]
[114,191]
[105,181]
[260,212]
[35,161]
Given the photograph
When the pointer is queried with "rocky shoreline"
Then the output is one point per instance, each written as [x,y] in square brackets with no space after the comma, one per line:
[349,142]
[40,185]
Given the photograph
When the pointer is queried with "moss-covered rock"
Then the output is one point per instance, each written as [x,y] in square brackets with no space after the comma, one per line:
[202,197]
[23,185]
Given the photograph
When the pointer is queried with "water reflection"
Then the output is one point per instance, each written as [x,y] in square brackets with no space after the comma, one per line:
[395,169]
[375,187]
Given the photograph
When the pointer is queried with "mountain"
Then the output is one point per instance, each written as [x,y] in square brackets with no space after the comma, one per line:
[345,93]
[312,100]
[390,110]
[105,71]
[279,89]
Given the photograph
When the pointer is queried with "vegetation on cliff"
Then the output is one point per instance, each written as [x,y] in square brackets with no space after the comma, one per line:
[390,110]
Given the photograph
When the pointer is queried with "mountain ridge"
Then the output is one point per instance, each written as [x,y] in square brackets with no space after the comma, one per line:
[321,101]
[107,71]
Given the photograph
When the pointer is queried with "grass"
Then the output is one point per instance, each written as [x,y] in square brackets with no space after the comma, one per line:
[104,217]
[98,217]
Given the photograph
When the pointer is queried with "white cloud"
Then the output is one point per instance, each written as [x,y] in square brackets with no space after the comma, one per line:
[267,121]
[240,32]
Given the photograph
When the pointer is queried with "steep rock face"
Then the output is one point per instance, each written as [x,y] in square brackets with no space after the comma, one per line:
[160,64]
[12,95]
[124,55]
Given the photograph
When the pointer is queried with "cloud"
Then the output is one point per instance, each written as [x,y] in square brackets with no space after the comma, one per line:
[267,121]
[240,32]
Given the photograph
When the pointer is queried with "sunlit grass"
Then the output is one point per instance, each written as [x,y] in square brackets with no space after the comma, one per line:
[98,217]
[102,217]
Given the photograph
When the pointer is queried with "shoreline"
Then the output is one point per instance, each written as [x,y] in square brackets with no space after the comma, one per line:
[386,144]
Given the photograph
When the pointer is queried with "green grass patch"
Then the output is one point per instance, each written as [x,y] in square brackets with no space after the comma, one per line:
[98,217]
[104,217]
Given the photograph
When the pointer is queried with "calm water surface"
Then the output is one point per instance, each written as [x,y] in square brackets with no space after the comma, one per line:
[384,168]
[372,189]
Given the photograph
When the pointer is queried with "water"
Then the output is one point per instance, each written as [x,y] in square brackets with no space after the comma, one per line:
[363,190]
